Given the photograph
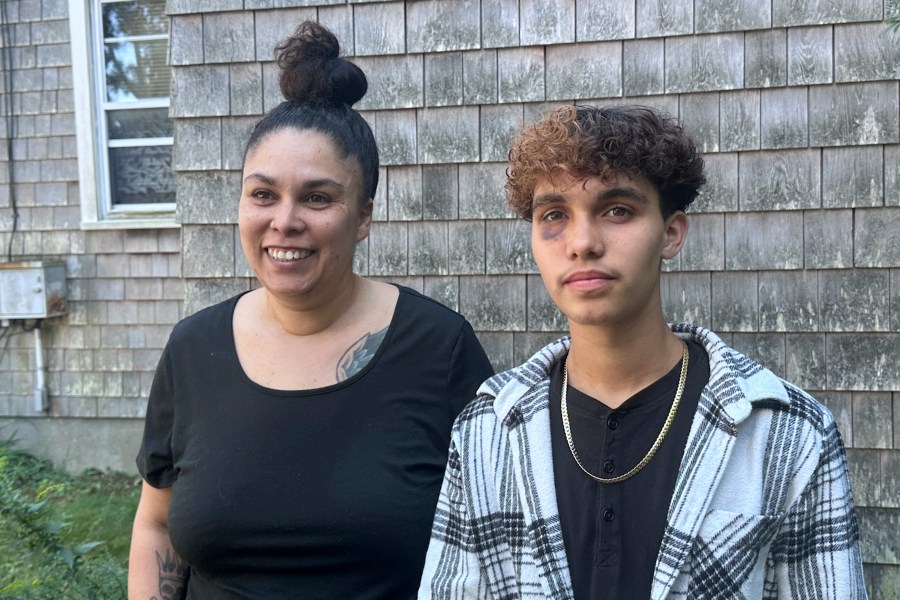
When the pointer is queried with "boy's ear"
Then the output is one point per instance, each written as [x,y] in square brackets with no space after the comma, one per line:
[675,232]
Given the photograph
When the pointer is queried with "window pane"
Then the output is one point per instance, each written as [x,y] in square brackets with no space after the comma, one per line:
[142,175]
[136,70]
[126,19]
[141,123]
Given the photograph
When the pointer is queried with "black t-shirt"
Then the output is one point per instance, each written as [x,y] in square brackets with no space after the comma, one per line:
[612,532]
[326,493]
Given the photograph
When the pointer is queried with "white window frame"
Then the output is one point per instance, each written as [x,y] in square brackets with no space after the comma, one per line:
[97,211]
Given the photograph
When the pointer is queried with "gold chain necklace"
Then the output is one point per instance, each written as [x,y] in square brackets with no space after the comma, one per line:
[659,438]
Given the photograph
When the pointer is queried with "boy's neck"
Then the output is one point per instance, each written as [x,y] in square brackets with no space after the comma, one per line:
[612,364]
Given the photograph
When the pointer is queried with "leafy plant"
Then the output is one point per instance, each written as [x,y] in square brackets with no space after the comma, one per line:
[41,560]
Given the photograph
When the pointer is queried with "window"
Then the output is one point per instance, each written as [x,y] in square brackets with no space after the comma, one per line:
[122,112]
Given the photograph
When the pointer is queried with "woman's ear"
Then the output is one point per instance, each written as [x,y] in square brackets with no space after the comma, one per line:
[365,220]
[676,228]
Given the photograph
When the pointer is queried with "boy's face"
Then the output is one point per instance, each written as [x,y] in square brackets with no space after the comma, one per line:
[599,244]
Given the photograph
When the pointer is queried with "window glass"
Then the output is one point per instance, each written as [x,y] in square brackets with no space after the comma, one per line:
[128,19]
[142,174]
[136,70]
[141,123]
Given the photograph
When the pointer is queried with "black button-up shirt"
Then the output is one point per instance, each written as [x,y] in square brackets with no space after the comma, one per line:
[612,532]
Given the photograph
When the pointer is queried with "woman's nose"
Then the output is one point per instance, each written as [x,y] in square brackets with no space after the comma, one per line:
[285,216]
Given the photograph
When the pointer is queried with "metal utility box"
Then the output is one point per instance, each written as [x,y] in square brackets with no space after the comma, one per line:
[32,289]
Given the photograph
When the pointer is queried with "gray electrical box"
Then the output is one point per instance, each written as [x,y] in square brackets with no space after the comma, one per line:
[32,289]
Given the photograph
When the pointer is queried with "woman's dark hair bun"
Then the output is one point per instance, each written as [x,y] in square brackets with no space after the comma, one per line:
[312,70]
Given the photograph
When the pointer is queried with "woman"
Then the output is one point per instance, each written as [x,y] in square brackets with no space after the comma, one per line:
[297,434]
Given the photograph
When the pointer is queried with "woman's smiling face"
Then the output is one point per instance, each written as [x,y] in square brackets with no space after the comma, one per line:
[301,214]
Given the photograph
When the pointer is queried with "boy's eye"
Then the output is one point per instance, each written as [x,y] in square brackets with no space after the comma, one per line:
[552,215]
[618,211]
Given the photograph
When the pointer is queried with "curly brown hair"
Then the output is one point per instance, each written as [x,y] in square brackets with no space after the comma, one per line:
[590,141]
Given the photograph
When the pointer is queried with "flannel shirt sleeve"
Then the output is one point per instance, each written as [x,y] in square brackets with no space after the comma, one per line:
[817,553]
[452,569]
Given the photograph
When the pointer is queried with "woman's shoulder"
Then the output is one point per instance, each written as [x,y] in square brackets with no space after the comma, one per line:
[213,318]
[415,303]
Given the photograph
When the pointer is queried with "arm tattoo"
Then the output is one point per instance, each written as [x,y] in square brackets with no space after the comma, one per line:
[173,573]
[358,355]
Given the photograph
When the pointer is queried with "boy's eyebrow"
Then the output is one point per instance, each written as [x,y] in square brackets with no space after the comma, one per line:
[604,196]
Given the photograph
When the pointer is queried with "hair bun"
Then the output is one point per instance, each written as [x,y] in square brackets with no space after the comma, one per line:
[312,70]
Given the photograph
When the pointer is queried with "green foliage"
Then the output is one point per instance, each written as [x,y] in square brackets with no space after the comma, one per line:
[893,21]
[63,537]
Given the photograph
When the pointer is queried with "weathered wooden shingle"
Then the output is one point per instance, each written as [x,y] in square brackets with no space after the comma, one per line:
[448,135]
[704,63]
[865,52]
[765,348]
[892,175]
[467,249]
[739,128]
[500,23]
[498,126]
[584,71]
[788,301]
[174,7]
[186,40]
[394,81]
[340,20]
[207,250]
[784,180]
[854,114]
[610,20]
[704,247]
[440,192]
[668,17]
[854,300]
[545,22]
[200,91]
[395,134]
[699,114]
[443,289]
[643,67]
[235,133]
[862,361]
[810,55]
[435,26]
[802,12]
[479,77]
[872,420]
[481,194]
[493,303]
[686,297]
[780,248]
[731,15]
[735,302]
[508,245]
[805,361]
[852,176]
[378,28]
[404,193]
[876,240]
[766,60]
[784,122]
[194,140]
[828,239]
[720,193]
[443,79]
[388,249]
[226,37]
[521,74]
[543,315]
[245,89]
[428,249]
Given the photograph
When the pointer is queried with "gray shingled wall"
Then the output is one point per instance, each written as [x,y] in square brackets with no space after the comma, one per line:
[794,250]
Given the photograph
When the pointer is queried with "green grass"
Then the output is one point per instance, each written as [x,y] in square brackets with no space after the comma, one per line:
[50,526]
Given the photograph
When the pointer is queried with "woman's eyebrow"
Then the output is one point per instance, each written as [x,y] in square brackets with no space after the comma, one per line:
[311,184]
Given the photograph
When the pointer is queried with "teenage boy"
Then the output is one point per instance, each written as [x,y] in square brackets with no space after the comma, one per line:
[634,459]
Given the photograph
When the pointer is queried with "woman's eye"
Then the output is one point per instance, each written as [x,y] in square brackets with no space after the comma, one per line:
[318,199]
[262,195]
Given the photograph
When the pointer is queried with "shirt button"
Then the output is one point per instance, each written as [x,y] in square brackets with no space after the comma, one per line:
[612,422]
[609,466]
[608,515]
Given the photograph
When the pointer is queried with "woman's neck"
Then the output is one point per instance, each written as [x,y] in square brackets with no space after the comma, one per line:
[309,316]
